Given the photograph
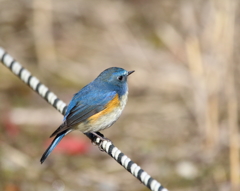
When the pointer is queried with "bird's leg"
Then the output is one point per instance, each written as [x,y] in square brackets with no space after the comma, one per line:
[101,137]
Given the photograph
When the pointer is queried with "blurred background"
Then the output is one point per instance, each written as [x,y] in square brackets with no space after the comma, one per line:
[181,120]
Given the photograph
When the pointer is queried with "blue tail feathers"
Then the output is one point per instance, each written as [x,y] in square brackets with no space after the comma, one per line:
[54,143]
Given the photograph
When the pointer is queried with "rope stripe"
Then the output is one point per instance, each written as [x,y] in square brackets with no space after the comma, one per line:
[51,98]
[132,167]
[32,81]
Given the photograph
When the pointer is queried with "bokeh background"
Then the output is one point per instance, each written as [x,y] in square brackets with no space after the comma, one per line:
[181,123]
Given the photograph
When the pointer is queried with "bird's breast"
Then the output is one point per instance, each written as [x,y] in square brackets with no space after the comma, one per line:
[107,116]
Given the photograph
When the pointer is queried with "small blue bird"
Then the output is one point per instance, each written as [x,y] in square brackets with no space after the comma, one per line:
[95,107]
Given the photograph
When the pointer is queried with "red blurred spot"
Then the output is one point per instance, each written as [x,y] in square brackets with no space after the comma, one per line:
[11,187]
[71,145]
[11,128]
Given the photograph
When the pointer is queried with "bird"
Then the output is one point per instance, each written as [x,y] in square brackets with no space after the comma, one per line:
[95,107]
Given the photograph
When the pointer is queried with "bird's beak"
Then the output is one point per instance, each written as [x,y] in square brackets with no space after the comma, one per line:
[130,72]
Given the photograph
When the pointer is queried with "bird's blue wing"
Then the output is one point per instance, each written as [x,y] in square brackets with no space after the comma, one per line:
[83,106]
[87,96]
[87,106]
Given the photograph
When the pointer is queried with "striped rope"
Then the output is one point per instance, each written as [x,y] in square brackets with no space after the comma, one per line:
[51,98]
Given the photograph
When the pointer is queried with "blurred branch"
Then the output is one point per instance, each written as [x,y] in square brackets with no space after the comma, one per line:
[228,13]
[16,157]
[42,32]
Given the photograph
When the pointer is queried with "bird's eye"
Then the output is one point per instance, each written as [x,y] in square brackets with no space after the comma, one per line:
[120,78]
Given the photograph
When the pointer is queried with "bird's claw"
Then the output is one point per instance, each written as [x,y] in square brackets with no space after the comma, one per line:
[101,137]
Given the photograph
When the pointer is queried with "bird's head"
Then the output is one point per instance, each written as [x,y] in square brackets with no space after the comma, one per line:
[115,78]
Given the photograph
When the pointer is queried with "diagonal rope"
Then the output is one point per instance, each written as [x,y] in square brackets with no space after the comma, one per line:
[58,104]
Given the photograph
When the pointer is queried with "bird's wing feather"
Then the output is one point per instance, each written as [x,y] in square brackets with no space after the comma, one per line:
[83,107]
[82,112]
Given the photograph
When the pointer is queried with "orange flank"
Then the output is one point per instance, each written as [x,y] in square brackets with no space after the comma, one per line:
[114,103]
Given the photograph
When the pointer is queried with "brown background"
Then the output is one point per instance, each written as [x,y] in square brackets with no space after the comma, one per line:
[181,120]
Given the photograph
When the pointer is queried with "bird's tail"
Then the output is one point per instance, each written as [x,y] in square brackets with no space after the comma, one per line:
[54,143]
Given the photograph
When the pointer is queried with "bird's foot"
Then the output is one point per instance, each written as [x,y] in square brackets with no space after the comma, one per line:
[102,138]
[99,135]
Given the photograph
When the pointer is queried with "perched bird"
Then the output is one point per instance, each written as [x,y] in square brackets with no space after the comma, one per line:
[95,107]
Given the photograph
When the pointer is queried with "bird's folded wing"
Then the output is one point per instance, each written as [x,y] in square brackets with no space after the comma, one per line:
[83,109]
